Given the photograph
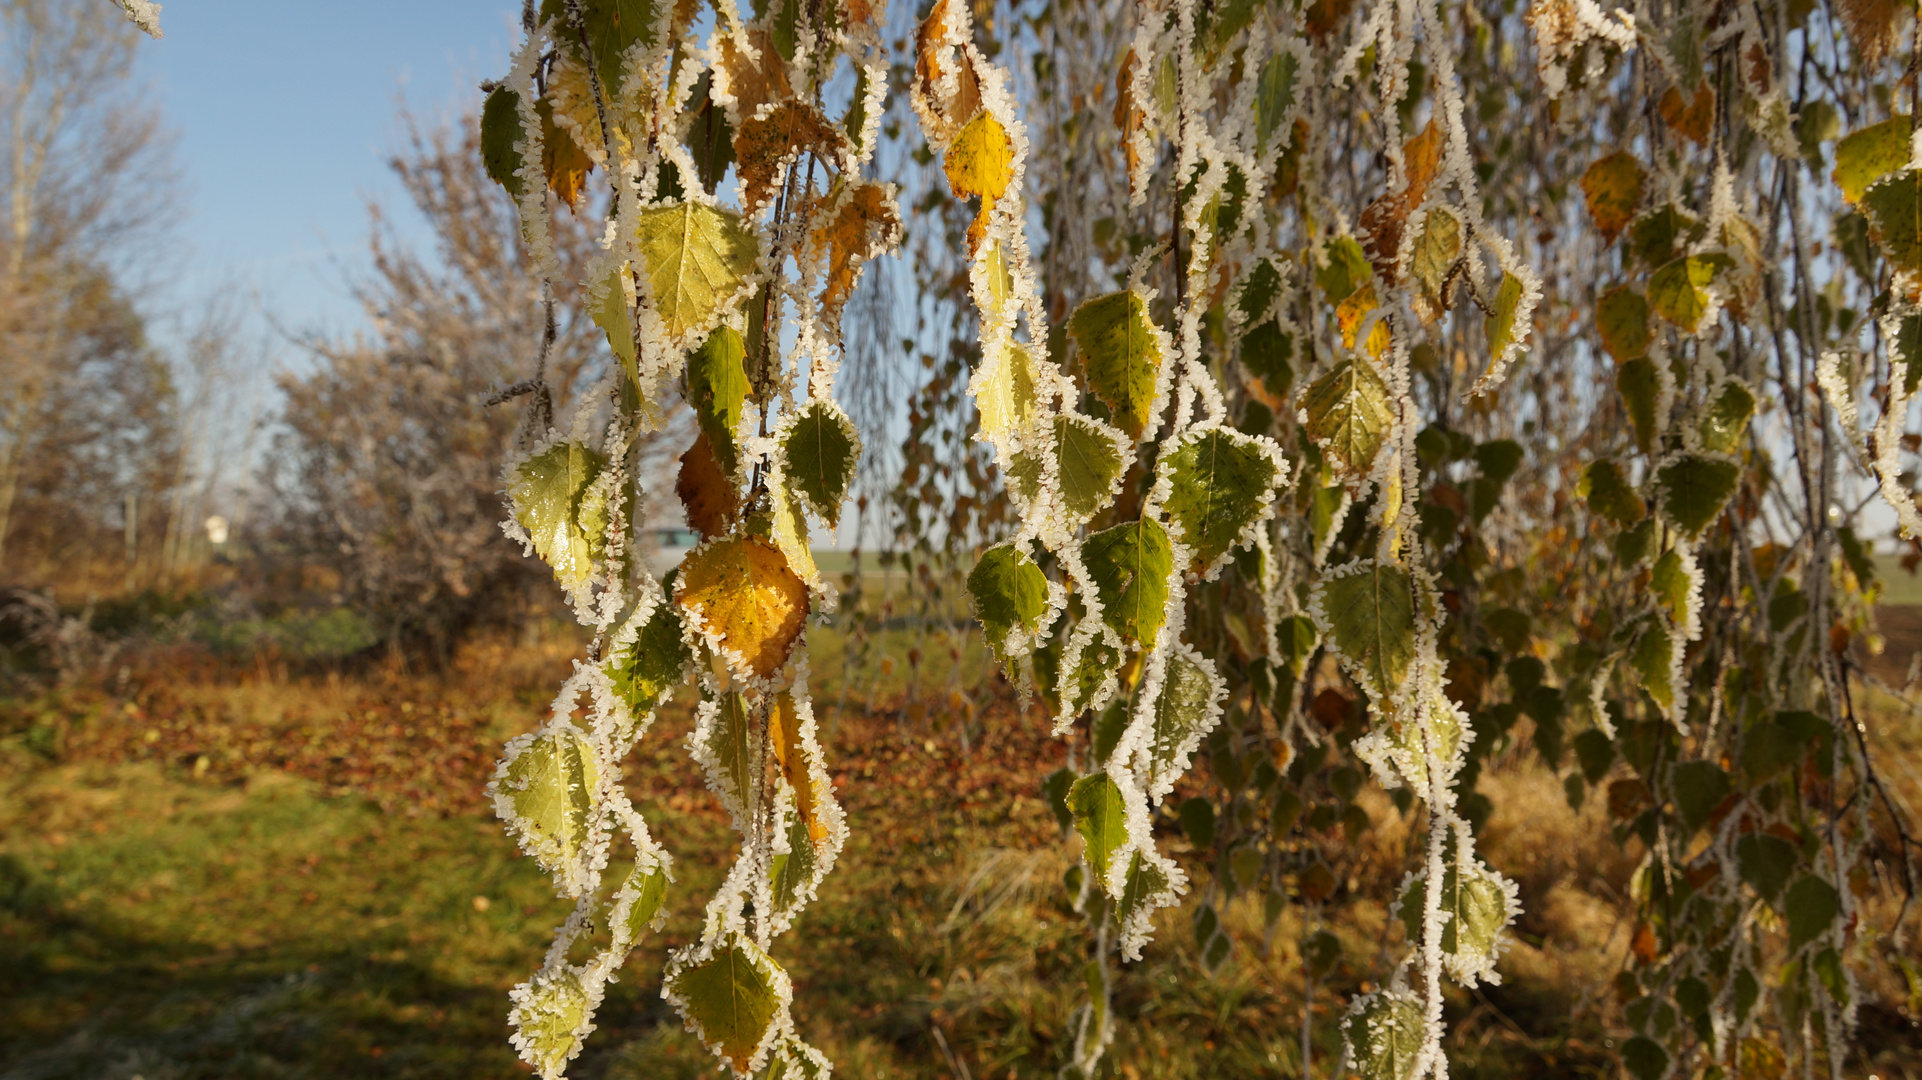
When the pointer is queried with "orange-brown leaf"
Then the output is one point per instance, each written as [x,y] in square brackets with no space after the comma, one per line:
[767,144]
[706,490]
[950,110]
[1128,114]
[1326,16]
[753,84]
[1691,117]
[1386,217]
[862,224]
[784,734]
[1871,27]
[742,591]
[1613,189]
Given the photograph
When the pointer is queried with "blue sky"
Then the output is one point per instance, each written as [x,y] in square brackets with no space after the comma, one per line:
[285,114]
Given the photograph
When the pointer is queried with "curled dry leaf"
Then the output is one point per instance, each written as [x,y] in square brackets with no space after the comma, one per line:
[1386,217]
[752,81]
[862,223]
[948,110]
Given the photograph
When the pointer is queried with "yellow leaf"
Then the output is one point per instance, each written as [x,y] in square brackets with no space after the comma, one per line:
[1004,392]
[861,224]
[766,144]
[706,490]
[742,591]
[784,735]
[1350,313]
[981,160]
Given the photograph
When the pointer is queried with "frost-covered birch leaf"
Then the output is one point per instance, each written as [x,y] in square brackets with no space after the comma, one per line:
[1132,565]
[548,491]
[613,316]
[1080,686]
[611,26]
[548,1015]
[819,454]
[1219,483]
[766,144]
[500,130]
[864,223]
[1811,905]
[1503,328]
[1699,786]
[980,161]
[1088,461]
[709,140]
[716,388]
[1478,909]
[706,490]
[732,998]
[753,83]
[1659,235]
[1352,312]
[1726,419]
[790,753]
[1670,584]
[1678,290]
[1694,488]
[1146,883]
[547,785]
[741,591]
[1004,393]
[1297,637]
[1621,319]
[1347,269]
[1120,354]
[1368,615]
[1653,660]
[696,261]
[728,743]
[1640,387]
[1267,350]
[1384,1033]
[1008,591]
[650,891]
[1894,210]
[1865,156]
[1437,247]
[1184,711]
[1101,817]
[1349,413]
[1612,187]
[653,664]
[1609,493]
[1275,95]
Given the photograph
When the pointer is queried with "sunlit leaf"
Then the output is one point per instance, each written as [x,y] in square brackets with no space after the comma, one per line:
[1131,565]
[1613,189]
[1894,209]
[696,262]
[545,791]
[1367,614]
[766,145]
[819,453]
[1349,413]
[548,491]
[1868,155]
[1121,355]
[1384,1033]
[717,387]
[731,998]
[1009,592]
[1217,481]
[1726,418]
[742,592]
[1678,290]
[1101,818]
[706,489]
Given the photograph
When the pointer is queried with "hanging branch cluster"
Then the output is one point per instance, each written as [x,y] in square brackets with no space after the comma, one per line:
[736,310]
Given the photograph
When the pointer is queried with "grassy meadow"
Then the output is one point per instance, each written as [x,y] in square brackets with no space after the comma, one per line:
[260,870]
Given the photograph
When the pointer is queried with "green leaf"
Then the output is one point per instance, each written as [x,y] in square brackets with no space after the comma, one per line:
[1349,413]
[548,491]
[1274,95]
[731,998]
[1510,627]
[1384,1033]
[1197,816]
[1765,862]
[1183,711]
[548,1017]
[1437,248]
[1609,494]
[1775,743]
[1658,236]
[1501,327]
[1268,352]
[548,785]
[1699,787]
[1498,459]
[611,314]
[500,130]
[794,868]
[1644,1058]
[1089,464]
[1008,591]
[1120,354]
[1621,319]
[1368,614]
[696,262]
[1146,883]
[655,662]
[1865,156]
[1671,585]
[612,27]
[819,455]
[1652,659]
[650,889]
[1633,545]
[1594,752]
[1320,952]
[1726,419]
[1641,389]
[730,746]
[1219,482]
[1255,296]
[1132,566]
[1678,290]
[1894,209]
[1811,905]
[1101,818]
[1477,910]
[1054,788]
[1694,488]
[716,388]
[1297,637]
[1347,269]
